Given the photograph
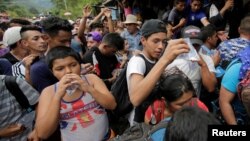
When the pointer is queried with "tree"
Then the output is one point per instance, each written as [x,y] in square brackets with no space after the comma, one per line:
[73,6]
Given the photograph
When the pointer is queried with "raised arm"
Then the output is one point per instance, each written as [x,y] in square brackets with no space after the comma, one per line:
[86,13]
[49,109]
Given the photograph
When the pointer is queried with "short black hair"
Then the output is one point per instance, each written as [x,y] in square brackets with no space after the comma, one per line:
[20,21]
[60,52]
[179,1]
[207,31]
[114,40]
[95,25]
[172,87]
[190,124]
[28,28]
[52,25]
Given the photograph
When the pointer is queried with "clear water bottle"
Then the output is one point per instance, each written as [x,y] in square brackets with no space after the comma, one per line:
[71,89]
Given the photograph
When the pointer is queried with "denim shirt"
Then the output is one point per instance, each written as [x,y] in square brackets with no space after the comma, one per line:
[133,40]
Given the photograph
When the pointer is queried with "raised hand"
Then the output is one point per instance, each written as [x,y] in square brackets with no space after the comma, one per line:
[174,48]
[86,11]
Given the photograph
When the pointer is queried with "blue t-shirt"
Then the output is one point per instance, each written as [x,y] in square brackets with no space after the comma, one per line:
[231,78]
[230,82]
[41,76]
[5,67]
[159,135]
[194,18]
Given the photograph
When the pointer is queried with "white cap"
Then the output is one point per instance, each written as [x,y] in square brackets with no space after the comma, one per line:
[11,35]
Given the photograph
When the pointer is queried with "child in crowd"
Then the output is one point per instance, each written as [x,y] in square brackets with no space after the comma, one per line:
[76,102]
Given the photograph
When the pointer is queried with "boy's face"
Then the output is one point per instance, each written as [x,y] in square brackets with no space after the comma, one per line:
[154,45]
[180,6]
[195,5]
[92,43]
[213,40]
[64,66]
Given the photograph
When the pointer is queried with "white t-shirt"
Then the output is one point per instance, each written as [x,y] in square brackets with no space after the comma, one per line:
[192,70]
[135,65]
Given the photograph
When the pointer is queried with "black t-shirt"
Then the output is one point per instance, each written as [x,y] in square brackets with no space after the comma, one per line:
[10,58]
[106,64]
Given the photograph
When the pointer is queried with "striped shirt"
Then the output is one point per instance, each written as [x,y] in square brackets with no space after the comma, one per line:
[10,110]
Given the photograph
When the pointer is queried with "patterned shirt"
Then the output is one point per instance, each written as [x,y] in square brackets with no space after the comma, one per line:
[10,110]
[83,119]
[228,49]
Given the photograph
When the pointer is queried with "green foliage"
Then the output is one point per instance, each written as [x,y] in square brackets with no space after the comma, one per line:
[73,6]
[18,11]
[30,8]
[19,8]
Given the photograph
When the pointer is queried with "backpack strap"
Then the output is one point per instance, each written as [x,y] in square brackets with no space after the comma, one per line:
[159,126]
[148,64]
[155,128]
[141,109]
[14,89]
[244,83]
[235,61]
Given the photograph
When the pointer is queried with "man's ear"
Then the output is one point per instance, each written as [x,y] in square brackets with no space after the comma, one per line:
[143,40]
[24,43]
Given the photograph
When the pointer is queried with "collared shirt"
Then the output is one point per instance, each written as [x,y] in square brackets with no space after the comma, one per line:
[133,40]
[205,50]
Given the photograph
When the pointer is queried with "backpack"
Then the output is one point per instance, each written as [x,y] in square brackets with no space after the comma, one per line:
[13,88]
[27,118]
[140,132]
[117,117]
[119,90]
[243,90]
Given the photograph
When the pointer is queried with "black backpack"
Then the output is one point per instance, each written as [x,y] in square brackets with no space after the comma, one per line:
[119,90]
[141,132]
[117,117]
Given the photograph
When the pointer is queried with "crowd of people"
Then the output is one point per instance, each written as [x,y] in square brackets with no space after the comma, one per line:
[177,68]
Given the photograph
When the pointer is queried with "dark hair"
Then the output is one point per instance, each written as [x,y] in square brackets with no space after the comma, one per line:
[52,25]
[20,21]
[95,25]
[189,124]
[173,87]
[60,52]
[114,40]
[13,46]
[179,1]
[207,31]
[28,28]
[4,25]
[196,0]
